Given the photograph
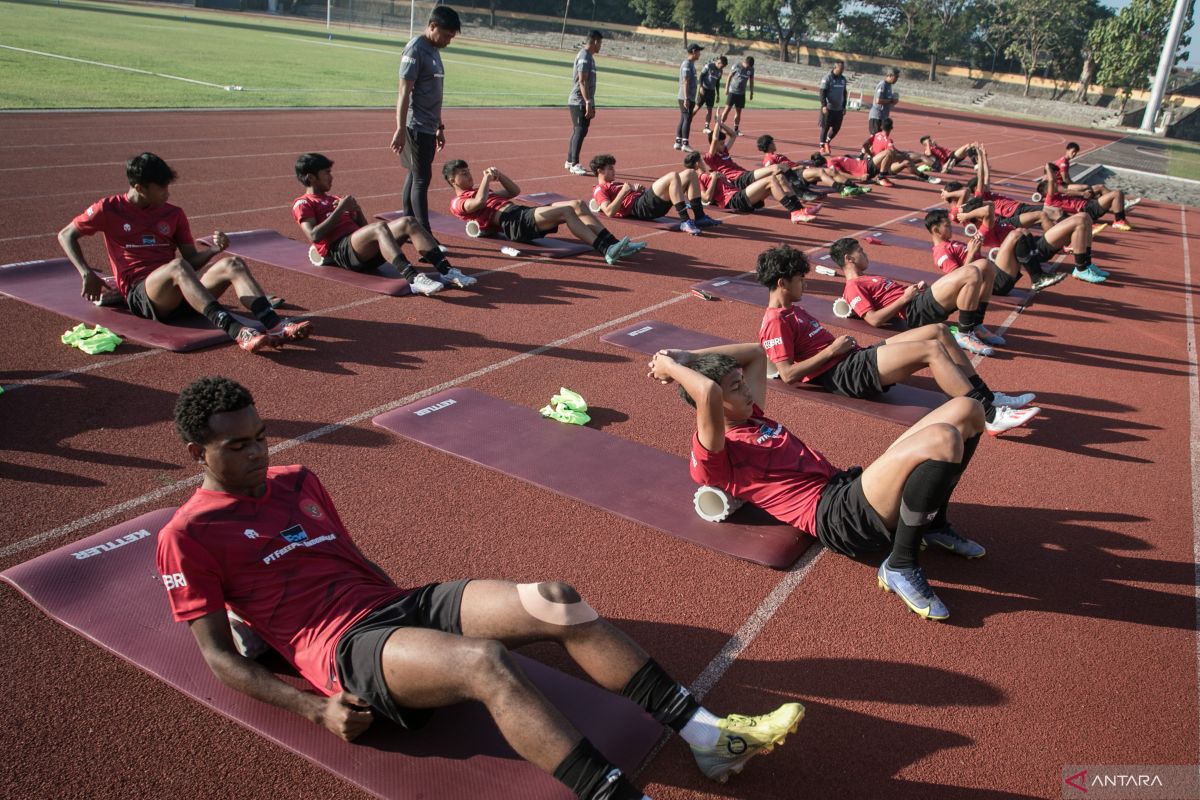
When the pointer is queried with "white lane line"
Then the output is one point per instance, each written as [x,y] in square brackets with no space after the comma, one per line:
[325,430]
[116,66]
[1194,418]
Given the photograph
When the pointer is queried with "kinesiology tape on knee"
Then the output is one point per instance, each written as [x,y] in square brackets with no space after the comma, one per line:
[551,610]
[667,700]
[591,776]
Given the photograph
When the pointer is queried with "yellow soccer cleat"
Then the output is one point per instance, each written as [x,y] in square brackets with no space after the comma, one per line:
[742,738]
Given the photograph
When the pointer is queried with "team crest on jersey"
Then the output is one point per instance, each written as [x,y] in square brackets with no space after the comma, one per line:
[294,534]
[127,227]
[311,508]
[250,533]
[164,228]
[148,238]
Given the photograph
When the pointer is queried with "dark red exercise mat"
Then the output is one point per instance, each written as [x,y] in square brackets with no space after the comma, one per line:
[54,285]
[902,404]
[272,247]
[819,305]
[884,238]
[628,479]
[105,588]
[1019,296]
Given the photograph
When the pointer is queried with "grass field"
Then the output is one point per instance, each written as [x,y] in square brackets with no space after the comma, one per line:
[1184,160]
[153,57]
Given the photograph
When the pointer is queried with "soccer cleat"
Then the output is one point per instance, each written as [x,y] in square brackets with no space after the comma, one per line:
[1121,225]
[707,131]
[885,183]
[853,191]
[970,342]
[253,341]
[1088,274]
[423,284]
[949,539]
[707,222]
[800,215]
[614,252]
[636,247]
[1103,273]
[456,277]
[289,330]
[987,337]
[932,180]
[689,227]
[687,148]
[576,169]
[809,197]
[678,145]
[743,738]
[923,168]
[1013,400]
[1131,203]
[1005,419]
[910,585]
[567,165]
[1049,279]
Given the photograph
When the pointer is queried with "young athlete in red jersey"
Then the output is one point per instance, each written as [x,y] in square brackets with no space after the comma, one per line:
[267,544]
[680,190]
[717,189]
[801,176]
[975,202]
[881,148]
[1096,206]
[1068,187]
[341,235]
[143,233]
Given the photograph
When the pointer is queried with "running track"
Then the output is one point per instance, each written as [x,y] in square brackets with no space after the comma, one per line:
[1074,641]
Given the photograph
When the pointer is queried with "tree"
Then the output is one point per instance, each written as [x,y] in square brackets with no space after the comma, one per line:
[1127,47]
[1046,33]
[783,21]
[654,13]
[945,27]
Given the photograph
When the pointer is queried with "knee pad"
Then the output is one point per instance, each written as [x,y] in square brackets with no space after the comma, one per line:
[540,607]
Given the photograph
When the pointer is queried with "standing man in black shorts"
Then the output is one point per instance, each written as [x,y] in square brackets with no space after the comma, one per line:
[419,131]
[687,98]
[710,89]
[582,101]
[833,104]
[741,76]
[885,98]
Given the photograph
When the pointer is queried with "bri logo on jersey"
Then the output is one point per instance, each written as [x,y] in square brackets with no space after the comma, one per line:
[294,534]
[766,432]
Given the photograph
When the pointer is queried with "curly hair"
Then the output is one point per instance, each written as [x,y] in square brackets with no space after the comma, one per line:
[764,142]
[780,263]
[601,161]
[714,366]
[201,399]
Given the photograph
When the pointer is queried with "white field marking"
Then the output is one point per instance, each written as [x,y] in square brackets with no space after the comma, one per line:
[743,636]
[115,66]
[1194,418]
[324,430]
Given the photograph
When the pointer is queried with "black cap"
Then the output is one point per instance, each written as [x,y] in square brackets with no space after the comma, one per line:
[694,48]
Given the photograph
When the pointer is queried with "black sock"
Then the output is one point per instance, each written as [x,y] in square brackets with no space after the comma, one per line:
[969,446]
[791,202]
[604,240]
[697,206]
[591,776]
[668,701]
[926,490]
[1081,261]
[222,319]
[681,208]
[1119,216]
[978,383]
[438,259]
[263,312]
[967,320]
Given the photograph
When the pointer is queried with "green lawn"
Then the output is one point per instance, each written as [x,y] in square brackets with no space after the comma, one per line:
[279,62]
[1184,160]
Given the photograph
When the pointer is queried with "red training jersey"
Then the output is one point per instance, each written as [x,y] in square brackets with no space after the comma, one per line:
[723,164]
[851,166]
[880,142]
[318,207]
[604,193]
[1063,165]
[949,256]
[283,562]
[1003,206]
[766,465]
[483,216]
[138,240]
[1072,205]
[869,292]
[771,159]
[942,154]
[790,334]
[994,235]
[722,192]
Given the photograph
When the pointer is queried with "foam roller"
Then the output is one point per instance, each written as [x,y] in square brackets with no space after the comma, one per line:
[715,505]
[473,229]
[841,309]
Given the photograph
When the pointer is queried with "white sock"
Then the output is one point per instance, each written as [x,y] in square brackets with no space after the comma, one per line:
[701,730]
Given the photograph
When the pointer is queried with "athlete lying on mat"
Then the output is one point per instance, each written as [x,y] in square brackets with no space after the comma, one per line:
[495,210]
[717,189]
[1096,205]
[679,190]
[801,177]
[898,500]
[970,202]
[371,648]
[142,233]
[804,352]
[341,234]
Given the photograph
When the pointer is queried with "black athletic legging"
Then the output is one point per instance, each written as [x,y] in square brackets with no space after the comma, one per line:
[831,123]
[416,186]
[686,112]
[579,132]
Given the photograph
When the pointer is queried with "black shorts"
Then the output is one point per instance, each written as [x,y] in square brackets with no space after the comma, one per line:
[740,202]
[139,303]
[343,255]
[359,653]
[935,163]
[1030,253]
[1003,283]
[736,100]
[846,523]
[856,375]
[745,179]
[649,206]
[1094,209]
[924,310]
[708,97]
[1014,220]
[517,223]
[872,168]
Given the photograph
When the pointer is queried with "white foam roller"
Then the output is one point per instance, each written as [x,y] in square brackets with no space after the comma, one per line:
[473,229]
[594,206]
[1036,197]
[841,309]
[971,229]
[316,258]
[993,254]
[715,505]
